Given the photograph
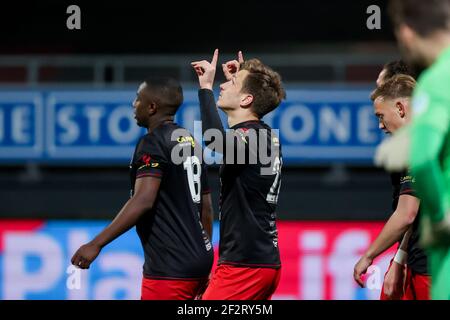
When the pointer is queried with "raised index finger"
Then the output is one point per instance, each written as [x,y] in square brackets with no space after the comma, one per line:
[215,57]
[240,57]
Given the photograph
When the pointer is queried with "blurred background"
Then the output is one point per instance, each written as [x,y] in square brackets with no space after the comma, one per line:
[67,133]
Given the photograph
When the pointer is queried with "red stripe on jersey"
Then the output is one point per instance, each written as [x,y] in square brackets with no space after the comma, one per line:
[156,175]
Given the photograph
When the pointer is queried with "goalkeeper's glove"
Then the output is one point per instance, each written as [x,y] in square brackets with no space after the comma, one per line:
[393,152]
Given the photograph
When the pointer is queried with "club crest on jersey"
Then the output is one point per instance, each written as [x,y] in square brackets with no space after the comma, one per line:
[242,132]
[146,159]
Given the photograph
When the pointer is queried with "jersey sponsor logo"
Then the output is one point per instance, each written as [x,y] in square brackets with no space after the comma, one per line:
[152,165]
[407,178]
[186,140]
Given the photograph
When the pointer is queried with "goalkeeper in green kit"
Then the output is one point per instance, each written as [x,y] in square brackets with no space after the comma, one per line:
[423,32]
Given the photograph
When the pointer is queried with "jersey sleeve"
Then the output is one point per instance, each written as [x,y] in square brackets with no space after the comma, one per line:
[209,113]
[407,185]
[150,159]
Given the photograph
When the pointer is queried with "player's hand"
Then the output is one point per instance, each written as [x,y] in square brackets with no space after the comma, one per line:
[394,280]
[361,268]
[85,255]
[435,234]
[230,68]
[393,152]
[206,71]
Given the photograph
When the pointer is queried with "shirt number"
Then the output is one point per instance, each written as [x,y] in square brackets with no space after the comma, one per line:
[193,171]
[272,196]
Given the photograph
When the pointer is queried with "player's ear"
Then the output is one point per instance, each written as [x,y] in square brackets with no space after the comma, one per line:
[152,108]
[246,100]
[401,108]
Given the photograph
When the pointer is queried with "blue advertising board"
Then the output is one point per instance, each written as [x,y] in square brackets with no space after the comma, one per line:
[21,125]
[97,126]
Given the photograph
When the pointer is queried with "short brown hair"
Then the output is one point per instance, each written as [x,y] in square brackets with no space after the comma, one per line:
[424,17]
[265,86]
[399,86]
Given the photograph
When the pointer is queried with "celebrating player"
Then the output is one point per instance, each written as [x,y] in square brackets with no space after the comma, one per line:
[170,204]
[249,259]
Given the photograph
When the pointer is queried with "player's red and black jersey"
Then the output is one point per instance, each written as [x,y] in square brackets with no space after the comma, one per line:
[249,189]
[174,241]
[403,183]
[248,202]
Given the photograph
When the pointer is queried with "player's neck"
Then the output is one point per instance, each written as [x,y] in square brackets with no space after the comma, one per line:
[157,122]
[235,118]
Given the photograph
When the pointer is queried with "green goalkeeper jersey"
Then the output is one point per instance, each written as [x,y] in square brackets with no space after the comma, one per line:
[430,160]
[430,143]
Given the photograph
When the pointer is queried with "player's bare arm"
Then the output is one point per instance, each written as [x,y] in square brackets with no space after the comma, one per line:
[393,284]
[146,190]
[393,231]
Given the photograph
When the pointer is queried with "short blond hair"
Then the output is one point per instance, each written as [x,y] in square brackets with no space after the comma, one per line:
[399,86]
